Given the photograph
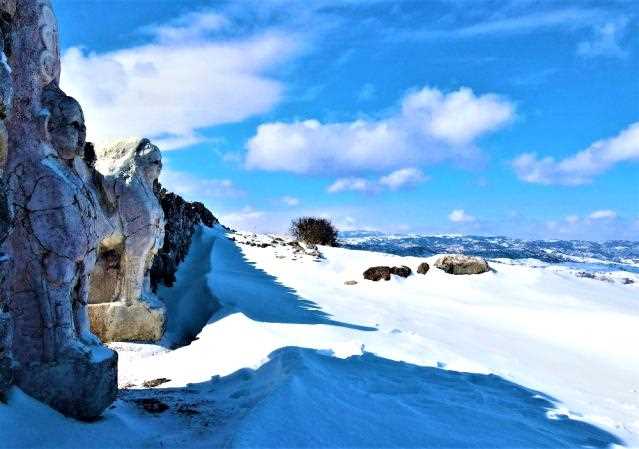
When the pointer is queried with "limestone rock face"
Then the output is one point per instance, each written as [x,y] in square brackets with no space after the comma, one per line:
[182,218]
[122,306]
[58,225]
[459,264]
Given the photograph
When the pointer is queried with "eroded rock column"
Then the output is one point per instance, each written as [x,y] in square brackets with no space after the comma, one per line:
[123,307]
[58,226]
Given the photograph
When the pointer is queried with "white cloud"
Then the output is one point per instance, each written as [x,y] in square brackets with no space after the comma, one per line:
[460,216]
[399,179]
[430,127]
[605,41]
[402,178]
[606,214]
[184,80]
[351,185]
[582,167]
[507,23]
[290,201]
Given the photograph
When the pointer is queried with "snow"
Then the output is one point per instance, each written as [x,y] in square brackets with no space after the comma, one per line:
[520,357]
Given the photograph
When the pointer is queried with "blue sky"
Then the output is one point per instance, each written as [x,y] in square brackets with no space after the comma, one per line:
[515,118]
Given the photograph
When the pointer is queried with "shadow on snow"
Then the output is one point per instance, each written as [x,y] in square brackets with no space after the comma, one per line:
[242,287]
[307,398]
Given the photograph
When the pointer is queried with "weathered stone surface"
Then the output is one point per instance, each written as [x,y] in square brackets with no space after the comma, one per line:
[182,218]
[7,11]
[402,271]
[116,321]
[377,274]
[58,225]
[122,306]
[459,264]
[6,362]
[423,268]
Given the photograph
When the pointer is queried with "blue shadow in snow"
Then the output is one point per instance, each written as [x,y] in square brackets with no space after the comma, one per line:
[307,398]
[241,287]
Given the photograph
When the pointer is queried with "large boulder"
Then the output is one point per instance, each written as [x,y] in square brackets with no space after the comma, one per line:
[377,273]
[460,264]
[383,272]
[423,268]
[402,271]
[58,225]
[122,306]
[182,218]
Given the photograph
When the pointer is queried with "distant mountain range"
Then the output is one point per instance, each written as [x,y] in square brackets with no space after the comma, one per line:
[617,254]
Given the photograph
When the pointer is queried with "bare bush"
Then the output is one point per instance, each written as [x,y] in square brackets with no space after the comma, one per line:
[315,231]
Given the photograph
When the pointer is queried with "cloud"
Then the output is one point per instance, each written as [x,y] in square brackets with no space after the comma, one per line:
[582,167]
[605,42]
[399,179]
[513,23]
[402,178]
[606,214]
[430,126]
[290,201]
[183,81]
[460,216]
[351,185]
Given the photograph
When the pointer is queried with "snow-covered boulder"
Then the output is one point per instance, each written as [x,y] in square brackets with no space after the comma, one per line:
[459,264]
[122,306]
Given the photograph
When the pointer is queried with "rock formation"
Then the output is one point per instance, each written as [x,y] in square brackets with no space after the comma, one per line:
[423,268]
[122,306]
[182,217]
[402,271]
[377,274]
[58,225]
[7,12]
[459,264]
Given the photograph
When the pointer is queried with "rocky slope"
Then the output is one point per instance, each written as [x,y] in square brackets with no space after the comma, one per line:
[182,218]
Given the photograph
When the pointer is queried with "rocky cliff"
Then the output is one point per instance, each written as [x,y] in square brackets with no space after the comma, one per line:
[182,217]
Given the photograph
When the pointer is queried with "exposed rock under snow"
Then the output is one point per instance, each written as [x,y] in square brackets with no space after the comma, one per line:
[460,264]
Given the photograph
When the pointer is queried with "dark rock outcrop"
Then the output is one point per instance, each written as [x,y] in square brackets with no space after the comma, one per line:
[423,268]
[402,271]
[459,264]
[377,274]
[181,217]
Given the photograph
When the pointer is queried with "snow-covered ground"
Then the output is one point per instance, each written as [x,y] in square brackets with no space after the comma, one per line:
[520,357]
